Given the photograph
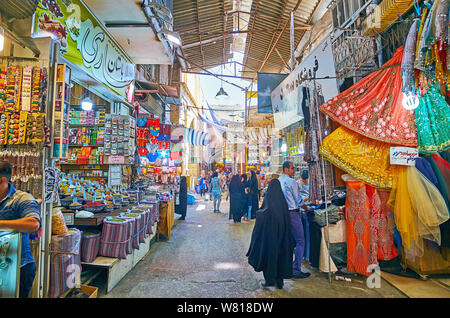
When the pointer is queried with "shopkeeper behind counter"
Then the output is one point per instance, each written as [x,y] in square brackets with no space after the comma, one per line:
[19,211]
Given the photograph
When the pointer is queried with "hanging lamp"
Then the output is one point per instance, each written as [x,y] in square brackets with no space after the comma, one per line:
[221,94]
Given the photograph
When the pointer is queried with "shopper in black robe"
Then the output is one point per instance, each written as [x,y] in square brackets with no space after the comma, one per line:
[245,203]
[182,207]
[236,190]
[272,244]
[254,193]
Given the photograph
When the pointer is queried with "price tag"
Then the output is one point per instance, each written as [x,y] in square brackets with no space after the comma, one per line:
[404,156]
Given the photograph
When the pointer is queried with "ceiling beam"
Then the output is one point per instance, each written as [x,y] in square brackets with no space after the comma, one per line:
[206,33]
[199,31]
[251,34]
[203,69]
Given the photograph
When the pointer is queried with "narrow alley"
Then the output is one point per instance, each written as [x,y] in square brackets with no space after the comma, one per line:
[205,258]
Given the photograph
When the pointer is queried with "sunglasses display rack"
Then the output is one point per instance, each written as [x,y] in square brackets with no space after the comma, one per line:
[23,94]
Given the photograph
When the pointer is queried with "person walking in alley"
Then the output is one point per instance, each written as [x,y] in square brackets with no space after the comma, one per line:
[254,194]
[216,191]
[235,192]
[247,200]
[182,207]
[201,181]
[291,191]
[271,245]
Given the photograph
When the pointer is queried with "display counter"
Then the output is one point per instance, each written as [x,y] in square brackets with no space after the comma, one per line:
[10,250]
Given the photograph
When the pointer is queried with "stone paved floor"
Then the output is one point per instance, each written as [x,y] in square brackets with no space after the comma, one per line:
[205,257]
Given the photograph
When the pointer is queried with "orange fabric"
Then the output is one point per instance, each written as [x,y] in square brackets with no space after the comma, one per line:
[373,106]
[358,216]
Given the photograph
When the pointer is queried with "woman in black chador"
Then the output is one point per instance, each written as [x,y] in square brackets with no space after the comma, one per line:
[254,193]
[236,190]
[182,207]
[272,246]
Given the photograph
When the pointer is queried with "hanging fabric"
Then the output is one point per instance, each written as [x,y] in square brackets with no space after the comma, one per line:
[433,122]
[362,157]
[373,106]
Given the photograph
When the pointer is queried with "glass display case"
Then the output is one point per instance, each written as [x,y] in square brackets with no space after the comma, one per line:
[10,249]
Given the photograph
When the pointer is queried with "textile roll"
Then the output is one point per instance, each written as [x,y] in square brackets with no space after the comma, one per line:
[64,256]
[115,237]
[140,235]
[373,106]
[90,245]
[364,158]
[133,241]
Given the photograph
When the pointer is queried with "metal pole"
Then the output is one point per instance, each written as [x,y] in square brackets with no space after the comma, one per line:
[316,106]
[292,42]
[47,211]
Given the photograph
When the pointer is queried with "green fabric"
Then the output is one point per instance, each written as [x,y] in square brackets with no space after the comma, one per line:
[432,123]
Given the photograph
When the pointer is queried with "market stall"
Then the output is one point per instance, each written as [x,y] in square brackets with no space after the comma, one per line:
[393,142]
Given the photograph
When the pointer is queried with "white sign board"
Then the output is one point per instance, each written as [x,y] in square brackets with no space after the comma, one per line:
[403,156]
[287,97]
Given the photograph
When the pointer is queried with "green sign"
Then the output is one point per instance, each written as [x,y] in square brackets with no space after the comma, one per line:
[84,42]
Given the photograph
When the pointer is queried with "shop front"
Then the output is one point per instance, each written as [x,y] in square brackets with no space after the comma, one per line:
[75,101]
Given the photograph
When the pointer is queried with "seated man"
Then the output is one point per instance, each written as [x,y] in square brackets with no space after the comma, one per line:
[19,211]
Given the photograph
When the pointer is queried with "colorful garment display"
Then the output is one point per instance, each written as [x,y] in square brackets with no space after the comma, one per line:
[433,122]
[362,157]
[409,55]
[370,227]
[358,217]
[382,245]
[373,106]
[419,210]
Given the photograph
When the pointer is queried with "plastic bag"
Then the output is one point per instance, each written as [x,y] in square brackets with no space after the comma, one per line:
[59,226]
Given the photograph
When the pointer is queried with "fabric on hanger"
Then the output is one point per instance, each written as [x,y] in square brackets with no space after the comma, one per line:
[362,157]
[419,210]
[373,106]
[358,234]
[433,122]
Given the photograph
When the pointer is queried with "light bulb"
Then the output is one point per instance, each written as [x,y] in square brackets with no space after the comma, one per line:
[410,101]
[86,104]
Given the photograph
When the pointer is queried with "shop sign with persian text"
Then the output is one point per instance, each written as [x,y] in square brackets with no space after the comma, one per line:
[84,42]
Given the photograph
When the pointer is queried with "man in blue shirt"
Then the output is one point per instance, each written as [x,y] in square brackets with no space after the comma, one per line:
[291,191]
[19,211]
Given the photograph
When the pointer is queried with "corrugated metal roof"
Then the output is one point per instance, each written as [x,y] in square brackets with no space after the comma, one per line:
[18,9]
[260,53]
[200,24]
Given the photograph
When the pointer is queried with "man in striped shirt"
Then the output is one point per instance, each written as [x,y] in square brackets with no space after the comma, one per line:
[19,211]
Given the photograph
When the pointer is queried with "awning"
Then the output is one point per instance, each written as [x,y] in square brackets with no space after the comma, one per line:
[196,138]
[218,127]
[165,93]
[149,103]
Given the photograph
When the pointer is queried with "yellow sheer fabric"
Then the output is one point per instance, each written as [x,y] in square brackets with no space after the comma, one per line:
[364,158]
[419,209]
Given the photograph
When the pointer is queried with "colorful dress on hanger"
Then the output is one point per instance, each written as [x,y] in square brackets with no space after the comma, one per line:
[373,106]
[432,122]
[364,158]
[358,234]
[370,227]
